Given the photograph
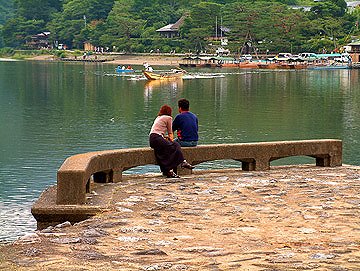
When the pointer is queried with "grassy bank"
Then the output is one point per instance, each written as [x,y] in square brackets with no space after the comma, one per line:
[20,54]
[26,54]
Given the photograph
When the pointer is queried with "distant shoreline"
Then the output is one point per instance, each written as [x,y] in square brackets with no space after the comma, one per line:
[156,60]
[7,59]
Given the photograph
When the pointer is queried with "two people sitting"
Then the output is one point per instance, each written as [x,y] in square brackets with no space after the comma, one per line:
[168,151]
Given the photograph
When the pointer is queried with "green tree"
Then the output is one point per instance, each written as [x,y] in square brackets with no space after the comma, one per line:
[340,3]
[121,26]
[251,25]
[30,17]
[75,23]
[37,9]
[131,24]
[6,10]
[327,9]
[157,12]
[18,30]
[122,23]
[201,22]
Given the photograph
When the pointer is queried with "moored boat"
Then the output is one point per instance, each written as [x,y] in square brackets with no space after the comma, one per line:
[248,65]
[334,65]
[300,66]
[283,65]
[268,65]
[355,65]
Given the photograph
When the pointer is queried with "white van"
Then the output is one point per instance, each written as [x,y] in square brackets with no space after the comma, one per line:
[308,56]
[283,56]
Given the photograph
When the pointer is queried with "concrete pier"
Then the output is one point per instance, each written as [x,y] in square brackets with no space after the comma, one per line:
[83,173]
[285,218]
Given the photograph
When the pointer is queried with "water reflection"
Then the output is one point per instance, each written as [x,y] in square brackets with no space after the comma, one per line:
[53,110]
[172,86]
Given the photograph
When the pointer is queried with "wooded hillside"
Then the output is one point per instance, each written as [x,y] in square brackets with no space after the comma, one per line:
[130,25]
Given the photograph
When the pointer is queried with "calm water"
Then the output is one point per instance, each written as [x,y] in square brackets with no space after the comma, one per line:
[50,111]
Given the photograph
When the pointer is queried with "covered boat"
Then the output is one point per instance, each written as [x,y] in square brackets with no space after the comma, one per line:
[334,65]
[201,62]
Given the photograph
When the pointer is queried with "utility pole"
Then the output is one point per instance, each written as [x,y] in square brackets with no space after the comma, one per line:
[221,33]
[216,34]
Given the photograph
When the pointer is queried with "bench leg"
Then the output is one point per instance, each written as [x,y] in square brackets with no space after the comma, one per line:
[262,164]
[248,166]
[323,161]
[103,177]
[333,160]
[88,186]
[117,176]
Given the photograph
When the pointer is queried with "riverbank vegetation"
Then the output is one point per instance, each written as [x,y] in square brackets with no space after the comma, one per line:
[130,25]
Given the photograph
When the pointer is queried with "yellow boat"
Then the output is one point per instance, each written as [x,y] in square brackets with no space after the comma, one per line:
[163,76]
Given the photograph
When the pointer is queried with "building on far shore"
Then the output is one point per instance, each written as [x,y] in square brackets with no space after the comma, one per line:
[171,30]
[40,41]
[353,49]
[88,46]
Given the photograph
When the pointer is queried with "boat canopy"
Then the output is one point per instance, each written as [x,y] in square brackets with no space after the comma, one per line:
[329,55]
[222,58]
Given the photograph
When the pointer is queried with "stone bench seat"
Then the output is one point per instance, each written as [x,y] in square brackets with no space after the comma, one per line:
[73,177]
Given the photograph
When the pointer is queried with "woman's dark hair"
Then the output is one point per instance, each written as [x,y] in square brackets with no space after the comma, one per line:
[184,104]
[165,110]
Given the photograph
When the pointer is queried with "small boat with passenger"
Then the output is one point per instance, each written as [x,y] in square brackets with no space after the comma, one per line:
[171,75]
[124,69]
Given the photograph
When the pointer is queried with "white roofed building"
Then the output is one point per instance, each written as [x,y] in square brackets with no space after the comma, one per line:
[171,30]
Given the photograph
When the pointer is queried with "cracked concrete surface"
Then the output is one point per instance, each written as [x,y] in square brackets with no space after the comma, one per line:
[287,218]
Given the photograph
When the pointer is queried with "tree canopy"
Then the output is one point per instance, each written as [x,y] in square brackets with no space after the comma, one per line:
[130,25]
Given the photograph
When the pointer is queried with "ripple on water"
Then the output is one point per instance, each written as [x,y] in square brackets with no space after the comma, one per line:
[16,220]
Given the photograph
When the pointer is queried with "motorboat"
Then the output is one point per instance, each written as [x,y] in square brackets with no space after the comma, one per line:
[174,74]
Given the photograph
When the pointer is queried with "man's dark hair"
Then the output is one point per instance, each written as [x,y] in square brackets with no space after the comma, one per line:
[184,104]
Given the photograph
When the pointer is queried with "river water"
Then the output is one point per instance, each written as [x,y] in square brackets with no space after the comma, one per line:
[52,110]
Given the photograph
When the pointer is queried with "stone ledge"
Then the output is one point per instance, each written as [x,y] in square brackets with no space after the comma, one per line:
[48,213]
[73,177]
[287,218]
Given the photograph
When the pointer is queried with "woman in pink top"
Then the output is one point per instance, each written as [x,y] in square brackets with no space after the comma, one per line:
[167,152]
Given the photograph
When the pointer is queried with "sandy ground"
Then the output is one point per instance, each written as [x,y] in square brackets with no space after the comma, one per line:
[151,59]
[158,60]
[42,57]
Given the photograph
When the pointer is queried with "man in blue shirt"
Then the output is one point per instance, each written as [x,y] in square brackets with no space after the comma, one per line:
[186,125]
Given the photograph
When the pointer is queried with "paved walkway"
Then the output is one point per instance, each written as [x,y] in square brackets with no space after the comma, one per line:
[287,218]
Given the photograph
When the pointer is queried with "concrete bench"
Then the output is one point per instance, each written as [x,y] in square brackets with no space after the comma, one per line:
[73,177]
